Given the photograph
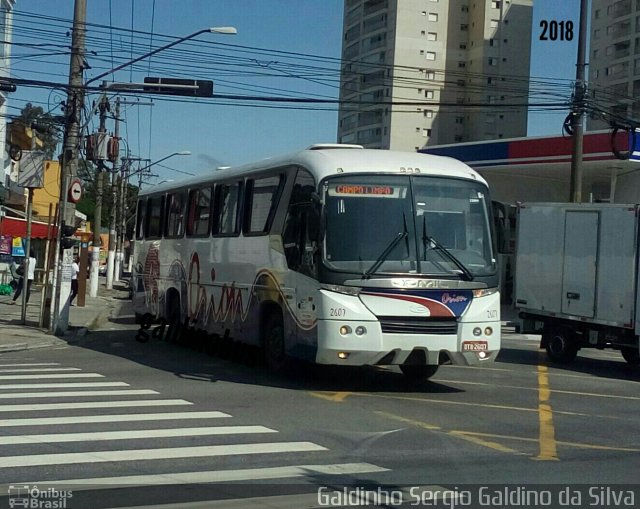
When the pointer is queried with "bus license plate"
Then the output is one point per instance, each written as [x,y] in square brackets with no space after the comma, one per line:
[475,346]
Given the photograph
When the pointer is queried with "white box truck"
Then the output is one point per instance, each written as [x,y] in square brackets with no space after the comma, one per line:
[577,278]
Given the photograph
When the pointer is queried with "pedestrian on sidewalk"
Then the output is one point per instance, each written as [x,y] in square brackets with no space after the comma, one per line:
[30,275]
[75,269]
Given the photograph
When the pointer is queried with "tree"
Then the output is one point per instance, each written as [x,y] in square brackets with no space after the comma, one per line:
[46,125]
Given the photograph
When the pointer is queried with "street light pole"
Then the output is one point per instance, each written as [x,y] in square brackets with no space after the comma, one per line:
[59,320]
[217,30]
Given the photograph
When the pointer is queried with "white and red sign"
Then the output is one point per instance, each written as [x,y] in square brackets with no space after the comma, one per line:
[75,191]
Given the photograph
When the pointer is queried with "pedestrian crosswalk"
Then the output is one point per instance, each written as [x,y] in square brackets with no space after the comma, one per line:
[76,430]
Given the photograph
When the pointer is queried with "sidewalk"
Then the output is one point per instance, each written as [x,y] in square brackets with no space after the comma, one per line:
[15,336]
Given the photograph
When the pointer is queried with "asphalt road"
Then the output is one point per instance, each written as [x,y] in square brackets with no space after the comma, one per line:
[200,428]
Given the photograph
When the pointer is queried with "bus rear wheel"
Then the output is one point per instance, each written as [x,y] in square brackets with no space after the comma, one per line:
[418,372]
[273,344]
[631,355]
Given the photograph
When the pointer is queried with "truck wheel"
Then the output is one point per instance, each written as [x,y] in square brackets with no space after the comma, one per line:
[273,343]
[415,373]
[560,345]
[631,355]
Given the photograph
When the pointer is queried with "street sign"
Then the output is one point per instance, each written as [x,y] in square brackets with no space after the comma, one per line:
[75,191]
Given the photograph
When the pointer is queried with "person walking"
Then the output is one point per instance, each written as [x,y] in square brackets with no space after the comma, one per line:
[75,270]
[30,275]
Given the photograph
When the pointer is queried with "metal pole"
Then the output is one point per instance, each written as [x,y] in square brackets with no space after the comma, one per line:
[114,203]
[27,249]
[75,99]
[45,286]
[578,109]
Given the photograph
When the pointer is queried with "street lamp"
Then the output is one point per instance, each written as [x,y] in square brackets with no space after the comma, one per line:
[216,30]
[60,318]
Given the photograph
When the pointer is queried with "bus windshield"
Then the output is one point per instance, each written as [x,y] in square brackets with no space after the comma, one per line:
[415,224]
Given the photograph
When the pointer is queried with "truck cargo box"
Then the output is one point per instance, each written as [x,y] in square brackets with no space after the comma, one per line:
[577,277]
[578,261]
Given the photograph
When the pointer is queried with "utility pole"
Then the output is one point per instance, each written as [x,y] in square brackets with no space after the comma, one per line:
[73,109]
[97,213]
[114,203]
[577,118]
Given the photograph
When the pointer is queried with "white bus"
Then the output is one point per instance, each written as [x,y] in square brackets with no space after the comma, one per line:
[336,255]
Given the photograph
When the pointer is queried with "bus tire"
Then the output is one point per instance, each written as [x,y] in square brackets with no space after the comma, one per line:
[414,372]
[560,344]
[273,344]
[631,355]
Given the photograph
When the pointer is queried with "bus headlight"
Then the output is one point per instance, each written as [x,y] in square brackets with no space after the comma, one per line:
[483,292]
[488,331]
[361,330]
[477,331]
[345,330]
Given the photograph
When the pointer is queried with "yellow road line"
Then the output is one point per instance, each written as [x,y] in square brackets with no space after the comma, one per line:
[458,434]
[470,437]
[330,396]
[413,422]
[547,438]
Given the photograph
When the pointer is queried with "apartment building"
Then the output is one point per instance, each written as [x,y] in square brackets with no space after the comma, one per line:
[426,72]
[614,62]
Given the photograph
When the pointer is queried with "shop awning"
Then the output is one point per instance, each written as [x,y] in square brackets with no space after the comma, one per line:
[17,227]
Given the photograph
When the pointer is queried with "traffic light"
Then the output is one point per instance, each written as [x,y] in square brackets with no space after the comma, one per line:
[6,86]
[67,241]
[193,88]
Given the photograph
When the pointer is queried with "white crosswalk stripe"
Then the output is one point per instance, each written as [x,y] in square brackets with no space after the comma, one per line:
[92,419]
[92,404]
[63,385]
[216,476]
[167,443]
[68,394]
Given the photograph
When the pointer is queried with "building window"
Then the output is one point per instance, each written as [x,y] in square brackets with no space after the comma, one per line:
[429,94]
[460,120]
[430,75]
[495,4]
[464,27]
[426,133]
[464,8]
[493,61]
[494,23]
[462,65]
[463,45]
[432,36]
[460,82]
[431,55]
[433,16]
[428,113]
[457,138]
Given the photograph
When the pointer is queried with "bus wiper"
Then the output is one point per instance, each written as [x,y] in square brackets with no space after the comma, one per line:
[426,240]
[383,256]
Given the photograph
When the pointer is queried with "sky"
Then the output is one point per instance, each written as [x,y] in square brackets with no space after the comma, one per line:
[282,48]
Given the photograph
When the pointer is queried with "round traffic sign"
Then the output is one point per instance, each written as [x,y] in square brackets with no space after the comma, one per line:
[75,191]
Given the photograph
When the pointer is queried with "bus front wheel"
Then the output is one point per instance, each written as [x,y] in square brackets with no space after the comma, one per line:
[273,343]
[420,372]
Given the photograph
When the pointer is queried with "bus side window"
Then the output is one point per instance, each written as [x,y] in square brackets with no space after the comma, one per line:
[301,227]
[140,218]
